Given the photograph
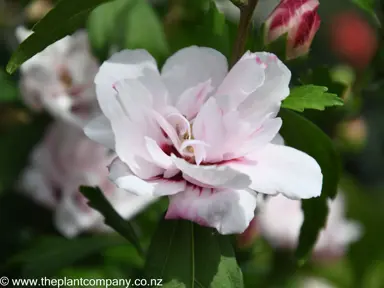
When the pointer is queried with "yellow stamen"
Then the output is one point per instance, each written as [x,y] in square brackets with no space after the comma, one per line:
[66,79]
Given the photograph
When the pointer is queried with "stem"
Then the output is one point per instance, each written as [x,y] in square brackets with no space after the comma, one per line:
[246,12]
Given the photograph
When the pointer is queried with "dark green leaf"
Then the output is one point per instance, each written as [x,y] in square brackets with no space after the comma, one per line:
[367,5]
[278,47]
[303,135]
[143,29]
[64,19]
[98,201]
[9,91]
[185,254]
[52,254]
[102,26]
[311,97]
[196,23]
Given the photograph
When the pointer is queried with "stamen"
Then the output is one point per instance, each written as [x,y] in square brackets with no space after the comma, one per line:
[66,78]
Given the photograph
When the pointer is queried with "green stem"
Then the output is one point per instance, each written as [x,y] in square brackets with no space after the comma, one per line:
[246,12]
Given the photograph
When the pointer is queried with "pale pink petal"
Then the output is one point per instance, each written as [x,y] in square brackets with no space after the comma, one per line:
[71,219]
[131,149]
[191,66]
[209,128]
[280,220]
[339,231]
[153,82]
[267,98]
[278,140]
[127,64]
[259,137]
[193,98]
[315,283]
[79,61]
[213,175]
[229,211]
[243,79]
[128,205]
[134,98]
[168,129]
[123,177]
[22,33]
[36,184]
[158,155]
[100,131]
[282,169]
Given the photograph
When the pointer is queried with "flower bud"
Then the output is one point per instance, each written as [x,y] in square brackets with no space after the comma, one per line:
[299,19]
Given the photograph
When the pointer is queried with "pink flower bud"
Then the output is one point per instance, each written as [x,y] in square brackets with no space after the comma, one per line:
[299,19]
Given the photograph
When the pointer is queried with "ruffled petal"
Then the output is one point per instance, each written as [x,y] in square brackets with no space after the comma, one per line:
[229,211]
[191,66]
[267,98]
[213,175]
[281,169]
[100,131]
[122,176]
[243,79]
[127,64]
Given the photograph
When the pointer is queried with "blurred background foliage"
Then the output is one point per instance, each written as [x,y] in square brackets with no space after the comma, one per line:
[347,56]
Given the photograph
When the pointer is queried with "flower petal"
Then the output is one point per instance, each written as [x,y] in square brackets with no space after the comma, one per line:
[280,220]
[193,98]
[133,97]
[191,66]
[159,157]
[127,64]
[259,138]
[229,211]
[267,98]
[209,128]
[99,130]
[123,177]
[244,78]
[70,219]
[213,175]
[35,184]
[128,205]
[283,169]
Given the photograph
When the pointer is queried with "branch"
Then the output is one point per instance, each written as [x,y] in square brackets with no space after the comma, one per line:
[246,11]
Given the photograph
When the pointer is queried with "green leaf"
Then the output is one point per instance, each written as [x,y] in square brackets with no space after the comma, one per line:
[367,5]
[64,19]
[185,254]
[311,97]
[143,29]
[303,135]
[198,23]
[277,47]
[98,201]
[9,91]
[102,27]
[52,254]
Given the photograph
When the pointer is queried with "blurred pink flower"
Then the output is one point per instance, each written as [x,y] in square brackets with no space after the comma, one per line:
[353,39]
[60,78]
[299,19]
[311,282]
[63,161]
[200,134]
[280,220]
